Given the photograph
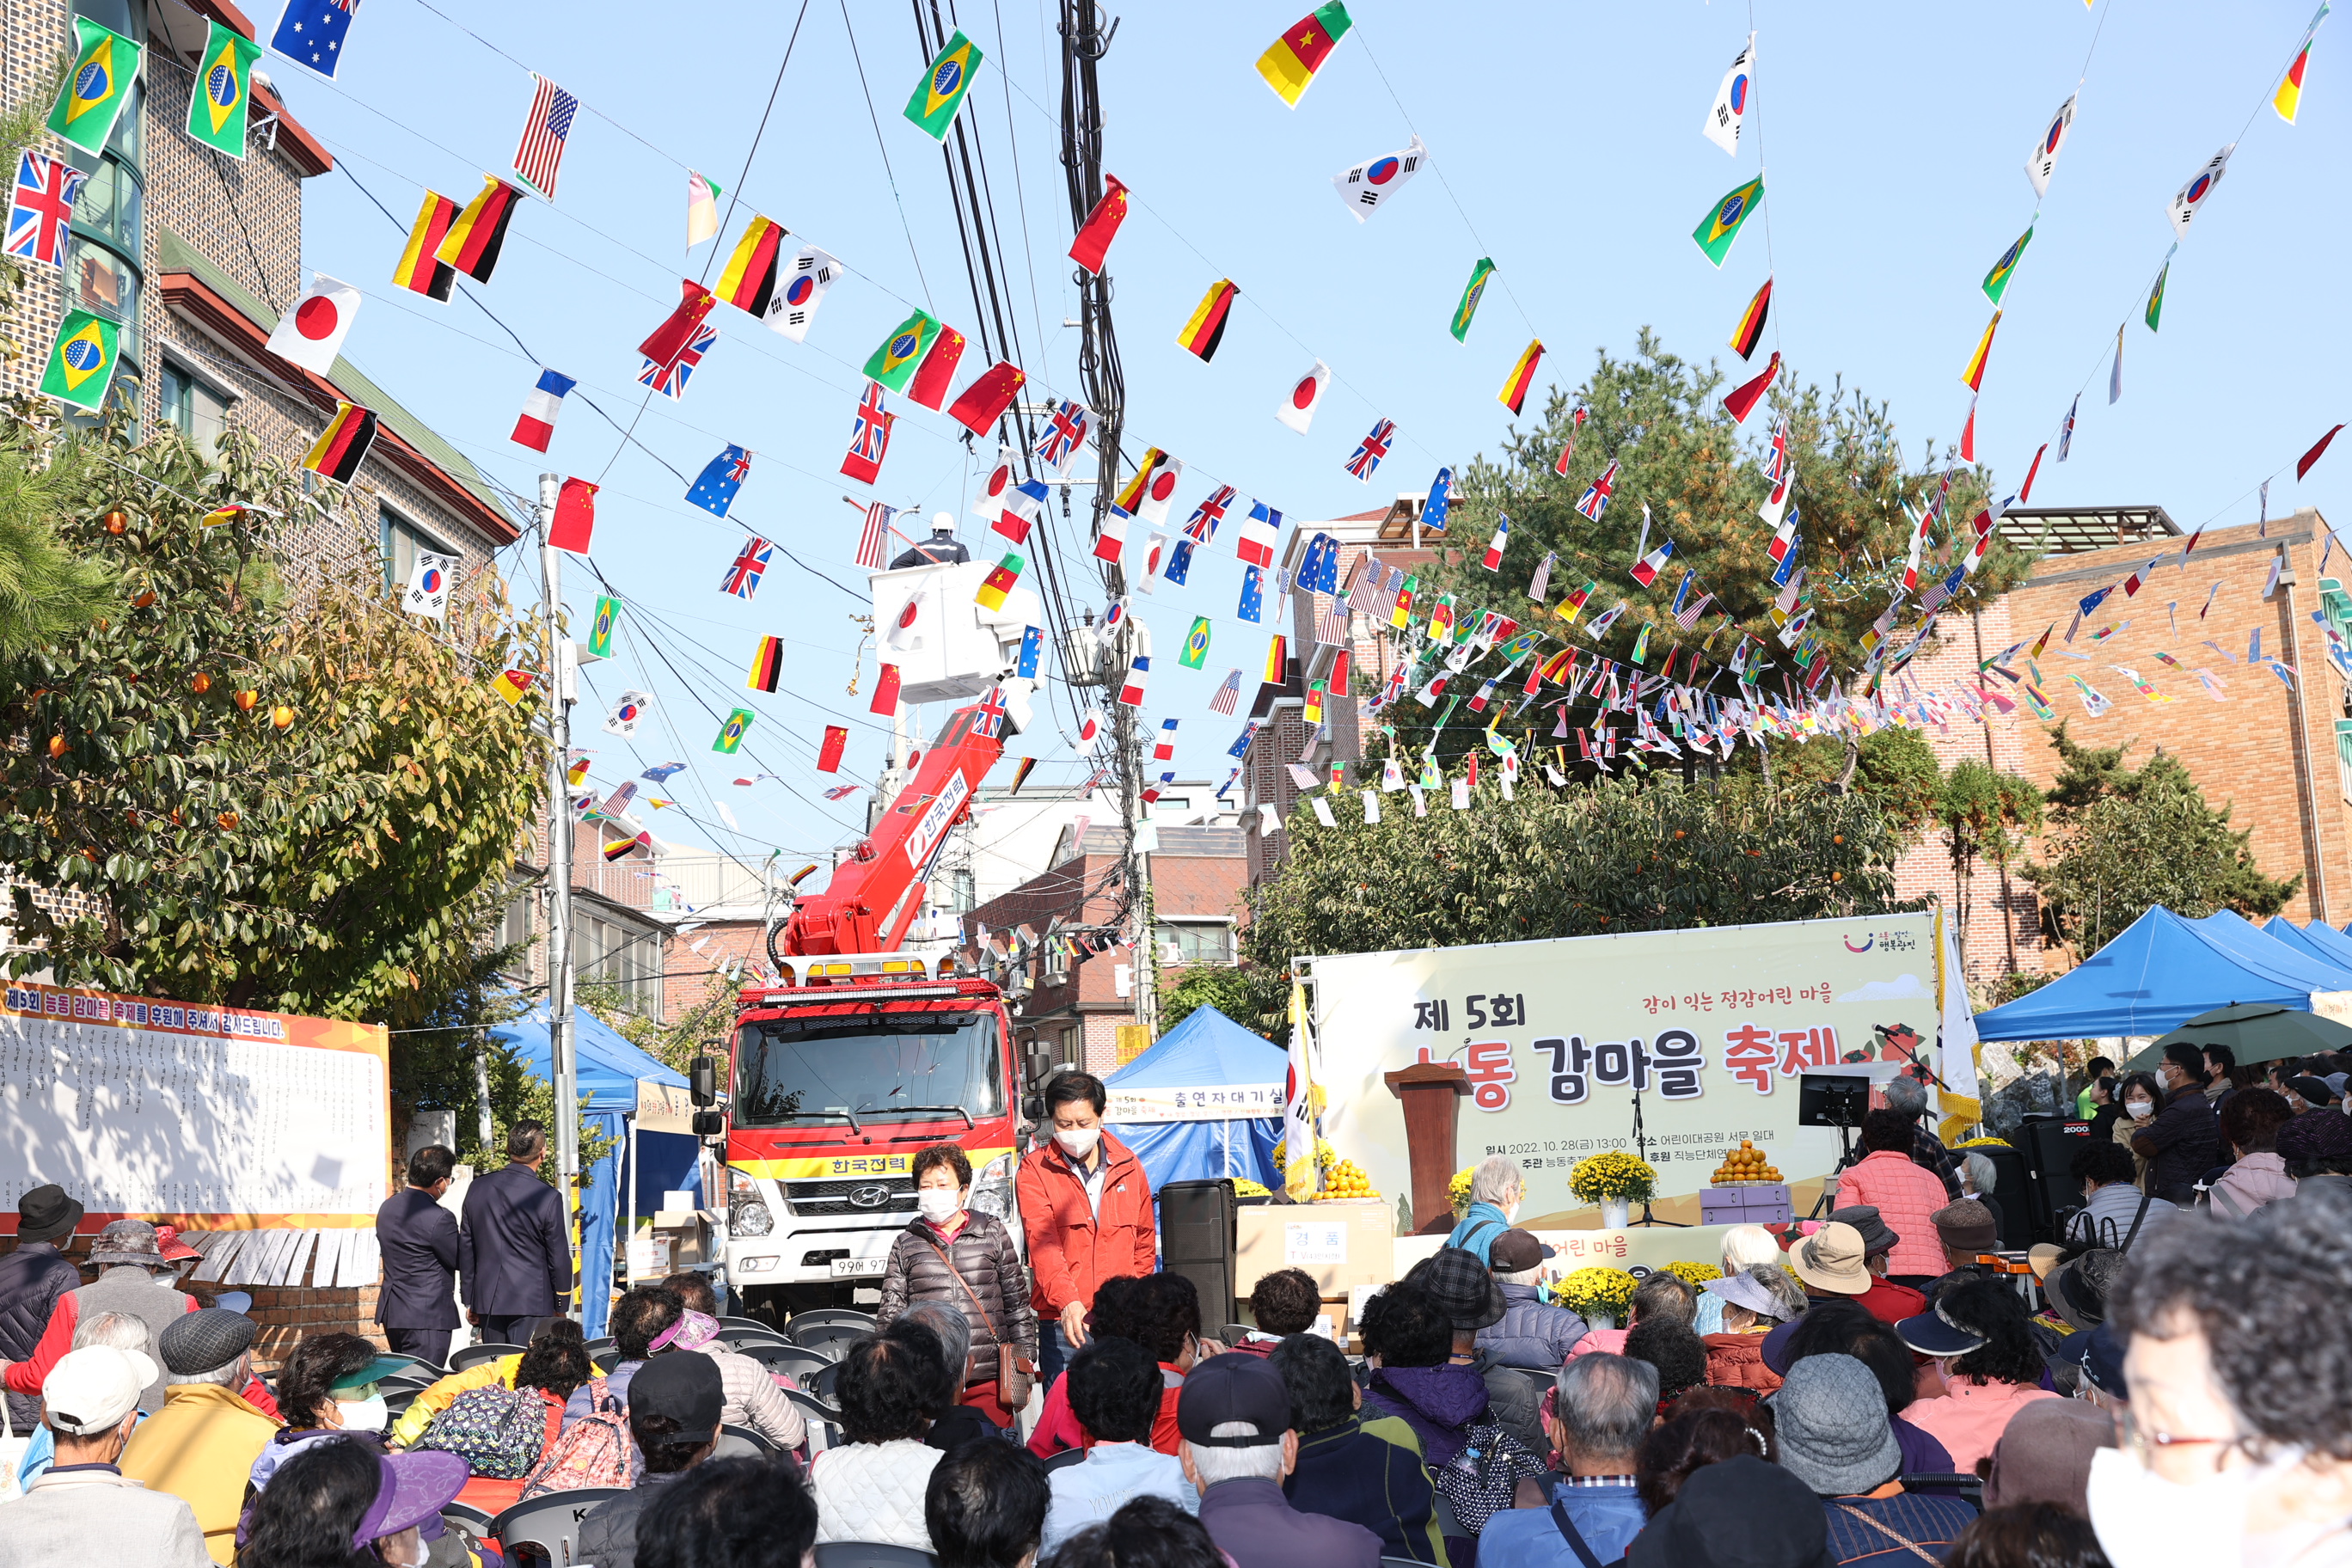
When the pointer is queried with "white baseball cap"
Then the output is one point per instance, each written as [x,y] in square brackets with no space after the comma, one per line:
[91,1390]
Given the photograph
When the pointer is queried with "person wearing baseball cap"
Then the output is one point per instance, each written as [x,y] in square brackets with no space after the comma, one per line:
[1238,1447]
[1531,1331]
[201,1444]
[83,1508]
[1885,1299]
[134,1279]
[1964,1229]
[32,1279]
[675,1405]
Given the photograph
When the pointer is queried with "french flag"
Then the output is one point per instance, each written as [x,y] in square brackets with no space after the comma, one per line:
[1131,693]
[536,425]
[1165,751]
[1260,530]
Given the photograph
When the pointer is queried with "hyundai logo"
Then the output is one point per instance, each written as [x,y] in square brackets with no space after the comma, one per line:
[872,1195]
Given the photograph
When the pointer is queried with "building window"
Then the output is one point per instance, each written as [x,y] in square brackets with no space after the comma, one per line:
[2344,757]
[515,928]
[631,959]
[194,407]
[401,541]
[1194,941]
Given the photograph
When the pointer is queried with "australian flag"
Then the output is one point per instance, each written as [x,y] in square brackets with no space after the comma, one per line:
[670,380]
[1032,649]
[714,492]
[742,578]
[311,32]
[1180,561]
[1252,604]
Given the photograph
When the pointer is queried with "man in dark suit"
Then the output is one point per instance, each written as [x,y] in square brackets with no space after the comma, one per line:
[418,1304]
[513,1250]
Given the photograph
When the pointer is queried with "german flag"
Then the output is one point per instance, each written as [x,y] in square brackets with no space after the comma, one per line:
[343,446]
[477,235]
[622,847]
[420,269]
[930,386]
[1751,321]
[1206,330]
[1020,775]
[767,665]
[1974,374]
[750,282]
[1523,374]
[1277,660]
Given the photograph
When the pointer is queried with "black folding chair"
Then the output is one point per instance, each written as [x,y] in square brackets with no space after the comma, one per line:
[798,1361]
[828,1329]
[475,1355]
[1967,1489]
[871,1554]
[548,1527]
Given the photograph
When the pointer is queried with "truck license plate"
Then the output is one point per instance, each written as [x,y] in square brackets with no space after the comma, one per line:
[849,1268]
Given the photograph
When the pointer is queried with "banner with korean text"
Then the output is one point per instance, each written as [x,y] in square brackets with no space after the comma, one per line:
[1713,1027]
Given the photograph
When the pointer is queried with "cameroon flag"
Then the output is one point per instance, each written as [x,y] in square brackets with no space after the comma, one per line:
[512,684]
[894,364]
[1716,231]
[81,363]
[219,108]
[105,65]
[1000,581]
[1289,67]
[1471,294]
[941,92]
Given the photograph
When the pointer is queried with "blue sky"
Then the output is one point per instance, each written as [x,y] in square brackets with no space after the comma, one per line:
[1566,144]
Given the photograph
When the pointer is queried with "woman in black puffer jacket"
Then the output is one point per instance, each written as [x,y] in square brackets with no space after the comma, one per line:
[949,1239]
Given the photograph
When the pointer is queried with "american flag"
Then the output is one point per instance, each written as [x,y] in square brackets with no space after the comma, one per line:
[1331,625]
[1687,616]
[1203,524]
[670,380]
[1063,434]
[1228,694]
[541,151]
[1372,449]
[871,538]
[742,579]
[42,213]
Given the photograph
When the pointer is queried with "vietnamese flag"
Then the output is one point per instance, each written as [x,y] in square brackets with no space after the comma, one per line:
[984,402]
[930,386]
[1101,226]
[828,756]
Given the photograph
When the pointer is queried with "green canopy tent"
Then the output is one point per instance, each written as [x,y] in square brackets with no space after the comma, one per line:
[2256,1032]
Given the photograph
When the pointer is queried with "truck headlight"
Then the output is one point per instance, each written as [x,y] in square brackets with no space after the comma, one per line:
[750,1218]
[992,1188]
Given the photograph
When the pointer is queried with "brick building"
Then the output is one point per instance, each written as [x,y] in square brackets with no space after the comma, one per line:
[194,255]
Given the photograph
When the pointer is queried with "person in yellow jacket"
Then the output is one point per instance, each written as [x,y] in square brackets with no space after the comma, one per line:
[443,1392]
[200,1446]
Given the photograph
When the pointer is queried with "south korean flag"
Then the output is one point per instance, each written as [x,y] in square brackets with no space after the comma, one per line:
[799,290]
[1375,179]
[428,585]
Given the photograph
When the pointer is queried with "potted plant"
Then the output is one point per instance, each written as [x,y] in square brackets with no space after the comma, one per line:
[1616,1181]
[1601,1296]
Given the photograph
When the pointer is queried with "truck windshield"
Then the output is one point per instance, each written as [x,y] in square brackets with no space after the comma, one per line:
[793,1070]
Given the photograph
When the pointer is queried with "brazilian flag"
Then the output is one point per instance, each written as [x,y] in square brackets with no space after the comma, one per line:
[221,103]
[731,733]
[941,92]
[105,65]
[1721,225]
[599,631]
[894,364]
[81,363]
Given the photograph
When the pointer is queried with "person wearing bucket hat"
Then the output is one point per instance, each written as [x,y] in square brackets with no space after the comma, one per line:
[1830,1420]
[1982,1344]
[1753,1303]
[83,1508]
[201,1444]
[132,1278]
[32,1278]
[2078,1288]
[343,1498]
[1886,1300]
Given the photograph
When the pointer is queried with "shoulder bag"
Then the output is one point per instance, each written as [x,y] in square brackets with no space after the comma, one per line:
[1013,1372]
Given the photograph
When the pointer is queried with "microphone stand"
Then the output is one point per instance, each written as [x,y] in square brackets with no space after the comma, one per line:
[1641,1148]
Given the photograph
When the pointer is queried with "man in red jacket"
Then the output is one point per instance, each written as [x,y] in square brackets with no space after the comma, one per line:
[1088,1211]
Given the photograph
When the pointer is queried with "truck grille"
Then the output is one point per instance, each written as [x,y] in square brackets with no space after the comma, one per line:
[818,1198]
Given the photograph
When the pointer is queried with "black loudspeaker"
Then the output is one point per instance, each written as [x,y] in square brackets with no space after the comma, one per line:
[1197,1231]
[2013,1207]
[2048,1144]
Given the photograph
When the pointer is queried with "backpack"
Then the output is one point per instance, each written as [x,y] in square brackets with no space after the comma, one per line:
[498,1431]
[1478,1481]
[596,1450]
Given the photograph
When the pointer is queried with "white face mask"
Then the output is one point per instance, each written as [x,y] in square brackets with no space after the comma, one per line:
[2144,1521]
[2141,1110]
[1078,1142]
[938,1204]
[363,1415]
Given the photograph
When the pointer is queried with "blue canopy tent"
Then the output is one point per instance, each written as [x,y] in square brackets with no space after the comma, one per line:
[2318,938]
[2243,937]
[611,1069]
[1204,1101]
[2156,975]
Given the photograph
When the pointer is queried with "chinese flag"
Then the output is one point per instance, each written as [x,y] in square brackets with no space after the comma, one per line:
[836,737]
[575,517]
[1094,240]
[984,402]
[668,341]
[930,386]
[886,691]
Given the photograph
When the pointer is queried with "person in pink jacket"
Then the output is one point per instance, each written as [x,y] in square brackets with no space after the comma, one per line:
[1982,1344]
[1905,1195]
[2250,1127]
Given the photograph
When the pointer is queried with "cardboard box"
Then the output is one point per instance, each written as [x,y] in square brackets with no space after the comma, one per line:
[1748,1202]
[1339,1244]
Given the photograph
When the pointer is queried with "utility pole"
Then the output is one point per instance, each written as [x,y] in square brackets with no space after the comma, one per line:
[563,1065]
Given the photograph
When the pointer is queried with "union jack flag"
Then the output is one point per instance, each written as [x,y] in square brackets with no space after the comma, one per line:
[869,437]
[989,719]
[839,791]
[1064,432]
[1203,524]
[1775,463]
[871,538]
[742,579]
[1228,694]
[670,380]
[1372,449]
[41,216]
[540,152]
[1595,500]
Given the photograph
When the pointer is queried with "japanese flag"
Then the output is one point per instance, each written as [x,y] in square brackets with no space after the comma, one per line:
[1152,506]
[1089,737]
[998,493]
[907,631]
[1297,410]
[311,334]
[428,585]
